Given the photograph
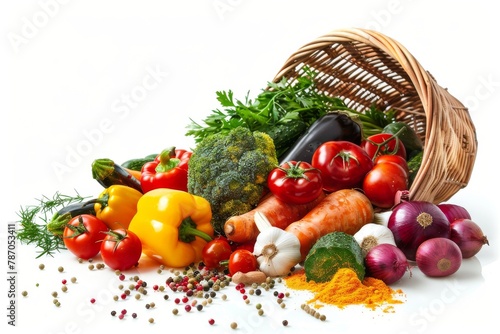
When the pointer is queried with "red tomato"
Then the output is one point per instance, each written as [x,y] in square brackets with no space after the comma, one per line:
[295,182]
[248,245]
[216,251]
[342,164]
[83,234]
[383,143]
[242,260]
[397,159]
[121,249]
[383,182]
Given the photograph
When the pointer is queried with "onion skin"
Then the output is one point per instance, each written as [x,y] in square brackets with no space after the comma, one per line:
[454,211]
[386,262]
[413,222]
[438,257]
[468,236]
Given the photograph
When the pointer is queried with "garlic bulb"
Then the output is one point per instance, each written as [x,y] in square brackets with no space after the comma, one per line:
[277,251]
[371,235]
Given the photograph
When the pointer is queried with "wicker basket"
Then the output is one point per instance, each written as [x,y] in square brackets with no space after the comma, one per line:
[365,67]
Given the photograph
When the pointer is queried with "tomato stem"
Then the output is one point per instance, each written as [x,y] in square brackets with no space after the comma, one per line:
[385,142]
[77,229]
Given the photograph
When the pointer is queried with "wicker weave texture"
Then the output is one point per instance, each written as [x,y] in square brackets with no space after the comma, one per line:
[367,68]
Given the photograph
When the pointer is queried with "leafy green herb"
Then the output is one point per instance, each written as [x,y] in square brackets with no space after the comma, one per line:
[33,220]
[279,103]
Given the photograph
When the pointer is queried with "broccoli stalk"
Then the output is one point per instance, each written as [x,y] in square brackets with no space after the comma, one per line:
[230,171]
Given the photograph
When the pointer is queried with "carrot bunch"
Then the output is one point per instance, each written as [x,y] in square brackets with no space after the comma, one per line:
[345,210]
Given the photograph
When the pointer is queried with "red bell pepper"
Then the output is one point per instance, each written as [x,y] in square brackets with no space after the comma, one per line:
[168,170]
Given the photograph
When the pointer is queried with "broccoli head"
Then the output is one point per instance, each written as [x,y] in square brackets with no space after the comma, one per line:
[230,171]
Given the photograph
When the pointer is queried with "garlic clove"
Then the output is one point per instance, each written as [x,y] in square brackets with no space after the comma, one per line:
[382,218]
[261,221]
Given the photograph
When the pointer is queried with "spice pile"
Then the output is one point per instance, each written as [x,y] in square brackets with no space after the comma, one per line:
[346,289]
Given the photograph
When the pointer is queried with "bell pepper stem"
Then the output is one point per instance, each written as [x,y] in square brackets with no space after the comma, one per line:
[168,161]
[188,231]
[102,200]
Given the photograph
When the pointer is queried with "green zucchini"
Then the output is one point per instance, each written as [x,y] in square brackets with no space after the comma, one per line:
[136,164]
[108,173]
[62,217]
[407,135]
[332,252]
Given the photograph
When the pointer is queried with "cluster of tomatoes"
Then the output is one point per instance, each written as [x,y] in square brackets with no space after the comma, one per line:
[86,236]
[378,167]
[220,254]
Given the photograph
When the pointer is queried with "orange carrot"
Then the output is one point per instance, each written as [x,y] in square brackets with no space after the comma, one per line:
[242,228]
[345,210]
[134,173]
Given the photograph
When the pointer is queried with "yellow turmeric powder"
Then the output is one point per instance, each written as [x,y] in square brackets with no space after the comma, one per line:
[345,289]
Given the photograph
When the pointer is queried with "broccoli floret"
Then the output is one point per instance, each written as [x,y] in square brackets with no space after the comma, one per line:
[230,171]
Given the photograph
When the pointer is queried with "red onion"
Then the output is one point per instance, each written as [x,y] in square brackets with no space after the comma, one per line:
[386,262]
[438,257]
[468,236]
[413,222]
[454,211]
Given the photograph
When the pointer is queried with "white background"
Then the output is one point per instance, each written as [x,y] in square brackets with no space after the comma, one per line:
[68,68]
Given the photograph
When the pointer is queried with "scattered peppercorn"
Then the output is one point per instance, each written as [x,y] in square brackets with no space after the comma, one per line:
[60,269]
[234,325]
[41,266]
[285,323]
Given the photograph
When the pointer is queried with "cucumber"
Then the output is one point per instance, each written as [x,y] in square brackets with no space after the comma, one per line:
[107,173]
[332,252]
[407,135]
[136,164]
[414,165]
[285,134]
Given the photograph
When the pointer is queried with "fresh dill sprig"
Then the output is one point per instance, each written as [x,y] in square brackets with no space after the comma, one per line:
[33,221]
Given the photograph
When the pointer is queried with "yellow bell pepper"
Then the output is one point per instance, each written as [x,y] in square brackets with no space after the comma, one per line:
[117,205]
[173,226]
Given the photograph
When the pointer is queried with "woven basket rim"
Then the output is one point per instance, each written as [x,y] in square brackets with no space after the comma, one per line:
[437,103]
